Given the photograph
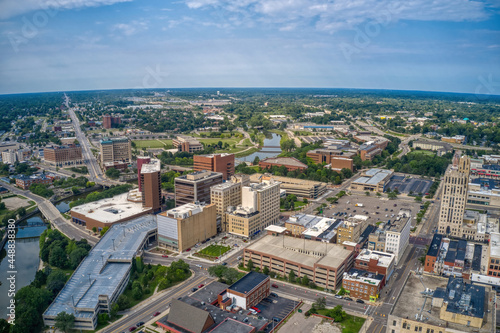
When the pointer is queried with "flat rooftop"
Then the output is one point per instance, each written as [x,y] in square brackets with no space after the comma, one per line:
[110,210]
[358,275]
[284,161]
[495,244]
[152,166]
[373,176]
[412,299]
[384,258]
[303,251]
[184,211]
[249,282]
[101,272]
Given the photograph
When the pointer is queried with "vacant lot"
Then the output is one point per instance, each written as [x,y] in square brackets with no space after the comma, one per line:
[14,203]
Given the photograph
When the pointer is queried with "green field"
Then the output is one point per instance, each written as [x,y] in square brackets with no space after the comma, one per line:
[214,250]
[152,143]
[424,152]
[212,141]
[351,324]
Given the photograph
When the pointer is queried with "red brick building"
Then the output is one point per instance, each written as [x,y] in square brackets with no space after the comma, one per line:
[63,155]
[376,262]
[248,291]
[110,121]
[223,163]
[290,163]
[25,182]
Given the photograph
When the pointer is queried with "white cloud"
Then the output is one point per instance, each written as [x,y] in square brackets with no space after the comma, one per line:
[332,16]
[11,8]
[131,28]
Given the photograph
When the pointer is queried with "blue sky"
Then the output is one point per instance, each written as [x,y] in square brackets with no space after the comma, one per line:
[435,45]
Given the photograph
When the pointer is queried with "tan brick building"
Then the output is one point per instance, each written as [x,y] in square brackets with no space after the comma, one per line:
[116,150]
[183,227]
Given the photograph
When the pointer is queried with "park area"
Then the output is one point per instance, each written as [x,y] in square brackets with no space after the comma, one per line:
[157,143]
[213,251]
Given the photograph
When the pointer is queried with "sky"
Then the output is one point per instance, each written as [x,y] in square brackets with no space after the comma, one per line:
[429,45]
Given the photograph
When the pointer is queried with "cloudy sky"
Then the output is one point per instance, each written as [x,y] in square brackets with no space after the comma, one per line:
[435,45]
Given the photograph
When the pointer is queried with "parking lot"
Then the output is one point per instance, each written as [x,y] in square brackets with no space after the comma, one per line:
[376,208]
[409,185]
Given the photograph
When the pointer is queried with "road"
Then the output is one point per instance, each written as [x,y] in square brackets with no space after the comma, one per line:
[54,216]
[95,173]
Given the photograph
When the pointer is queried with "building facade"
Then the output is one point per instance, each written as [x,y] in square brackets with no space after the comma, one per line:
[110,121]
[195,187]
[223,196]
[250,290]
[454,197]
[116,150]
[223,163]
[9,156]
[187,144]
[363,284]
[150,183]
[185,226]
[290,163]
[63,155]
[302,188]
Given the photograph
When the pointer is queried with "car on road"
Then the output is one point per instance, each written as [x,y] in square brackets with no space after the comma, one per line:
[347,298]
[224,263]
[133,328]
[187,250]
[255,309]
[338,296]
[194,289]
[360,301]
[164,256]
[274,285]
[156,314]
[139,324]
[274,294]
[201,286]
[198,265]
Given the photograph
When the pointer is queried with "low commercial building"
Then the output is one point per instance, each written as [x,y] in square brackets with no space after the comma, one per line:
[447,305]
[362,284]
[460,139]
[115,165]
[373,180]
[376,262]
[338,159]
[249,291]
[185,226]
[103,275]
[223,163]
[187,144]
[367,151]
[323,263]
[486,171]
[290,163]
[313,227]
[378,141]
[300,187]
[440,147]
[109,211]
[25,182]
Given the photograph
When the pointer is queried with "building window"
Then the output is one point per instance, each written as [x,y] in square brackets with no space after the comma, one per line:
[394,323]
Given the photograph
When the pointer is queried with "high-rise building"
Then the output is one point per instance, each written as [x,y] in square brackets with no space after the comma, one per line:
[195,187]
[140,161]
[116,150]
[150,182]
[223,163]
[110,121]
[454,197]
[63,155]
[183,227]
[223,196]
[9,156]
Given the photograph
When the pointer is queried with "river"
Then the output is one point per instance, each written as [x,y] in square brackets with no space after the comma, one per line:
[26,260]
[265,152]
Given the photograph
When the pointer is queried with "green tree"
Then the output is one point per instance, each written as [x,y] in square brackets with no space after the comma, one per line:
[104,230]
[265,270]
[320,303]
[76,256]
[4,326]
[256,160]
[56,281]
[112,173]
[304,281]
[114,310]
[94,229]
[291,276]
[58,257]
[123,302]
[65,322]
[137,292]
[250,264]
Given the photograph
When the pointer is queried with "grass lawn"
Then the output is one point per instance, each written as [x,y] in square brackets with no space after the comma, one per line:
[152,143]
[211,141]
[351,324]
[424,152]
[215,250]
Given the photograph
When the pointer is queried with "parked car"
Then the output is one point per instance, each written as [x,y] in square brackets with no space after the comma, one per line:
[274,294]
[255,309]
[360,301]
[164,256]
[347,298]
[156,314]
[274,285]
[224,263]
[338,296]
[187,250]
[133,328]
[201,286]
